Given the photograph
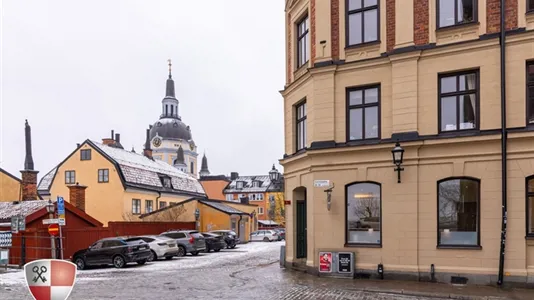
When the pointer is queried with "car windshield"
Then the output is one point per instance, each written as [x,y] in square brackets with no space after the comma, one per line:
[196,234]
[232,233]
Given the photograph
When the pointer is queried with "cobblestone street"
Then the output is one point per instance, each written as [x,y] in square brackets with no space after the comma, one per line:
[251,270]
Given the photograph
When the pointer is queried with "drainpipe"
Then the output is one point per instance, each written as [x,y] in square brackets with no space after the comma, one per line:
[503,143]
[157,200]
[239,226]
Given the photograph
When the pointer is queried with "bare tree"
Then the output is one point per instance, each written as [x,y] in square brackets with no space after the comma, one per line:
[368,207]
[172,213]
[129,217]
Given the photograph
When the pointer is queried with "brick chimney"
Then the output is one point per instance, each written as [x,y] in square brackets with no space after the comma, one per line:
[147,151]
[109,141]
[77,195]
[29,175]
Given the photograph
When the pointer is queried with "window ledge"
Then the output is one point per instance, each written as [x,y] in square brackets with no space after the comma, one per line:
[460,133]
[362,45]
[300,71]
[362,51]
[457,33]
[348,245]
[459,247]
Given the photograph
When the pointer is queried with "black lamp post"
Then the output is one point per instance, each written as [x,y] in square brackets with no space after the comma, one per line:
[274,175]
[50,209]
[197,217]
[398,154]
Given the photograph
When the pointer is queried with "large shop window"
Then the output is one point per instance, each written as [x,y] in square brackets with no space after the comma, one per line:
[530,89]
[301,126]
[303,54]
[458,101]
[364,213]
[362,22]
[530,206]
[456,12]
[530,5]
[363,113]
[459,212]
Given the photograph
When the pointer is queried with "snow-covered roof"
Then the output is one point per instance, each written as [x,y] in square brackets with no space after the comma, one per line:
[247,184]
[46,181]
[23,208]
[223,207]
[139,170]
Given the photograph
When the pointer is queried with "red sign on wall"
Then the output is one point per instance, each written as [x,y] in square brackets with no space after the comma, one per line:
[325,262]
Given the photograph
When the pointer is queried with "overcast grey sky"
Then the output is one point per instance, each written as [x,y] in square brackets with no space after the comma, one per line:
[77,69]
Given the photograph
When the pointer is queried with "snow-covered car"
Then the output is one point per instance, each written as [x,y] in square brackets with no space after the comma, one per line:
[160,246]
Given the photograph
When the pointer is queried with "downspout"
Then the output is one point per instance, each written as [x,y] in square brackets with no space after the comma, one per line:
[504,137]
[157,200]
[239,226]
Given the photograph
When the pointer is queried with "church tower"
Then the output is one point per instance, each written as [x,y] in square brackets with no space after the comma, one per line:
[204,168]
[170,137]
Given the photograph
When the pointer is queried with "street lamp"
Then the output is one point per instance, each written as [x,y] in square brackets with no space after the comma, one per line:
[50,209]
[398,154]
[197,217]
[274,175]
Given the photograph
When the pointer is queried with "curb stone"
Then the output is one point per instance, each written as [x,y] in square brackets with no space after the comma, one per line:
[437,295]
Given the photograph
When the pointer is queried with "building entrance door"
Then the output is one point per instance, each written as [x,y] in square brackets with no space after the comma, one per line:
[302,240]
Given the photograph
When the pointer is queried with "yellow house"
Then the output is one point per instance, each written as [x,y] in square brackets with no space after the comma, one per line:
[121,185]
[10,186]
[213,215]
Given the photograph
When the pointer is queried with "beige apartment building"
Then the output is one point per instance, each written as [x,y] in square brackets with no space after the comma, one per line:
[428,76]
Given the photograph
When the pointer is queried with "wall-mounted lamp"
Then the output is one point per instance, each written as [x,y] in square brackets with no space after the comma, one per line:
[328,192]
[398,154]
[381,271]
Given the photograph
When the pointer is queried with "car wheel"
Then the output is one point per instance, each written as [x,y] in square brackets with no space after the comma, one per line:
[118,262]
[266,239]
[217,250]
[181,251]
[168,257]
[153,256]
[194,253]
[80,263]
[232,247]
[141,262]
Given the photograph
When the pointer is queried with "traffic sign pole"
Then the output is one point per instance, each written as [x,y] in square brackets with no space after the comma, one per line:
[61,241]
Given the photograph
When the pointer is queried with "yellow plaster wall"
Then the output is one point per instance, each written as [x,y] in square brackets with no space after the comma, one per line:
[103,201]
[212,219]
[10,189]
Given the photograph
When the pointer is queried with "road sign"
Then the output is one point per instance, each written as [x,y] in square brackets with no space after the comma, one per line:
[53,229]
[50,221]
[61,210]
[6,239]
[321,183]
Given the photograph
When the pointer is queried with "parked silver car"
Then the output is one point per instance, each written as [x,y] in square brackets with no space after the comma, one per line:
[264,235]
[188,241]
[160,246]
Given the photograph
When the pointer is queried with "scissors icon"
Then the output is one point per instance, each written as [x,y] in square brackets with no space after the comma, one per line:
[39,273]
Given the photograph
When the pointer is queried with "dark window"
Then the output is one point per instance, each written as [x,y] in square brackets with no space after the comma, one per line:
[530,89]
[166,109]
[96,245]
[456,12]
[362,21]
[302,42]
[301,126]
[148,206]
[172,110]
[363,112]
[363,215]
[530,206]
[458,212]
[458,101]
[530,5]
[192,168]
[85,154]
[166,181]
[136,206]
[175,235]
[103,175]
[112,243]
[70,177]
[162,204]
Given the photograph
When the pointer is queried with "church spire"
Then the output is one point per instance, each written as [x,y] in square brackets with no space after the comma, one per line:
[204,171]
[170,83]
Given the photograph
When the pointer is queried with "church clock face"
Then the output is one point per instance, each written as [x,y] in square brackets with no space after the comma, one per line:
[156,142]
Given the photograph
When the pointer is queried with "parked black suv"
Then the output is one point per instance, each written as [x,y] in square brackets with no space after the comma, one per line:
[214,242]
[230,237]
[112,251]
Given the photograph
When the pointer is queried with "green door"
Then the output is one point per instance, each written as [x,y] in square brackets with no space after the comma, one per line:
[302,240]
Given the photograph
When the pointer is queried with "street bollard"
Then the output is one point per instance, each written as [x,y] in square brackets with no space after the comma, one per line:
[282,256]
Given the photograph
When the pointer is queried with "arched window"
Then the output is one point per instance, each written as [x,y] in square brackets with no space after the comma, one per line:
[459,212]
[192,168]
[363,214]
[530,205]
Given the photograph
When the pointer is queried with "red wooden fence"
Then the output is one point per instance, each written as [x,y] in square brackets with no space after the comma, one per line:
[38,243]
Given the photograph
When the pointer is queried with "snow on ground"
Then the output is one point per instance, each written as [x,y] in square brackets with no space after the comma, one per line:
[16,277]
